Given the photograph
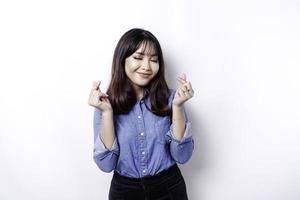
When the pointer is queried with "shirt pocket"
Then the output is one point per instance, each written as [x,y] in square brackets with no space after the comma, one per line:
[162,126]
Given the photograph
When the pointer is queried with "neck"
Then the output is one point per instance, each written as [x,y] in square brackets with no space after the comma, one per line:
[139,92]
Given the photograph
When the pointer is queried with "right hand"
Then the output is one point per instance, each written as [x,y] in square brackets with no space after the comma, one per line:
[99,99]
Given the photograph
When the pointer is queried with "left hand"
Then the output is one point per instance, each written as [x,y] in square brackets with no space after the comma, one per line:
[184,92]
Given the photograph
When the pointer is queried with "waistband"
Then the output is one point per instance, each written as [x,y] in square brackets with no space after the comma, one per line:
[165,173]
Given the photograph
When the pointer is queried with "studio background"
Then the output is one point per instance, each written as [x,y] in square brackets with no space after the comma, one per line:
[242,58]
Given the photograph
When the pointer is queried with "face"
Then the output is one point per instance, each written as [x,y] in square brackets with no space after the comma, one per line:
[141,67]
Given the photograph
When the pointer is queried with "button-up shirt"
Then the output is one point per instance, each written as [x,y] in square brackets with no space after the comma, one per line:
[144,144]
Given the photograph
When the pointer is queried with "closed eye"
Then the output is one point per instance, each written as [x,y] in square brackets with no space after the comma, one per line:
[137,58]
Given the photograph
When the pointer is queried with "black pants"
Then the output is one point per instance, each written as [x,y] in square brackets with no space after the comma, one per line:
[166,185]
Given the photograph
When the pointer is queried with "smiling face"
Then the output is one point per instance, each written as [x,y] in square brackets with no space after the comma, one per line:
[141,67]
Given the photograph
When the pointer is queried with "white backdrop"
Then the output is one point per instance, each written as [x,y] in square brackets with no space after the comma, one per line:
[242,58]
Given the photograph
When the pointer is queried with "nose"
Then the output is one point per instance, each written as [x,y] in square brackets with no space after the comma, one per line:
[146,64]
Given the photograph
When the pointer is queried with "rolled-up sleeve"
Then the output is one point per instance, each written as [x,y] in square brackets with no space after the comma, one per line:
[106,159]
[181,150]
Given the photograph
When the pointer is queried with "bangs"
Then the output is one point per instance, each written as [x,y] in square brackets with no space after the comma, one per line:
[148,48]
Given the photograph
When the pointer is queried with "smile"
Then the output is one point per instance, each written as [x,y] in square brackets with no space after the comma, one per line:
[144,75]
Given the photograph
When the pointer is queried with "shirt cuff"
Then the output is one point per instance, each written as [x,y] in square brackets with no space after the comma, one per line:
[187,136]
[99,146]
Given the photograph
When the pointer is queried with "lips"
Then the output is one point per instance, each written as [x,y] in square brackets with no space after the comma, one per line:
[144,75]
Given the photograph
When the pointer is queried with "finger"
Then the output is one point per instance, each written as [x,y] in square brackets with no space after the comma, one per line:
[188,92]
[185,87]
[93,90]
[189,87]
[178,93]
[96,85]
[106,100]
[180,80]
[181,92]
[184,76]
[104,95]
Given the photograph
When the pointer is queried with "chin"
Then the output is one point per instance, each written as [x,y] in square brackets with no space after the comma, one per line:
[142,84]
[142,81]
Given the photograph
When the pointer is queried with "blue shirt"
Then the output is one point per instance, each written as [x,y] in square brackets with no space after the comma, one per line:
[144,144]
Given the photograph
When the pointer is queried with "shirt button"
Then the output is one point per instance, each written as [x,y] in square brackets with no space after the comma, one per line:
[139,116]
[143,152]
[142,133]
[144,171]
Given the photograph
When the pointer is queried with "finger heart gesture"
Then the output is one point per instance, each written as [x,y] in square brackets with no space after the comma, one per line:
[99,99]
[184,92]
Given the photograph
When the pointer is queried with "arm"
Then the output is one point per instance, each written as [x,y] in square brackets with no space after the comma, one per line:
[180,136]
[178,121]
[106,149]
[107,131]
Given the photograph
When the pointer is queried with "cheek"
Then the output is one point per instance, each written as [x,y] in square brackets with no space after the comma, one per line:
[128,66]
[155,69]
[131,65]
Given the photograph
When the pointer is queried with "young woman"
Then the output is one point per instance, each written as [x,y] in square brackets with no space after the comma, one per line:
[141,130]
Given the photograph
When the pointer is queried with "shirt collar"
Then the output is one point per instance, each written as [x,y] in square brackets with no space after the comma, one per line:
[146,94]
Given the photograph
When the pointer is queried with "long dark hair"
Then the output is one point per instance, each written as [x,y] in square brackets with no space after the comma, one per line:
[122,96]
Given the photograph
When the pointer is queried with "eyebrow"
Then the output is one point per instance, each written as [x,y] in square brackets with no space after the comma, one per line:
[141,53]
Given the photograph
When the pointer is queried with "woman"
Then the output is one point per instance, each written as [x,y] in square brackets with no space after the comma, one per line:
[141,130]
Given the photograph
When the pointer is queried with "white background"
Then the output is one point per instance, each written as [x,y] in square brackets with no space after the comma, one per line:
[242,58]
